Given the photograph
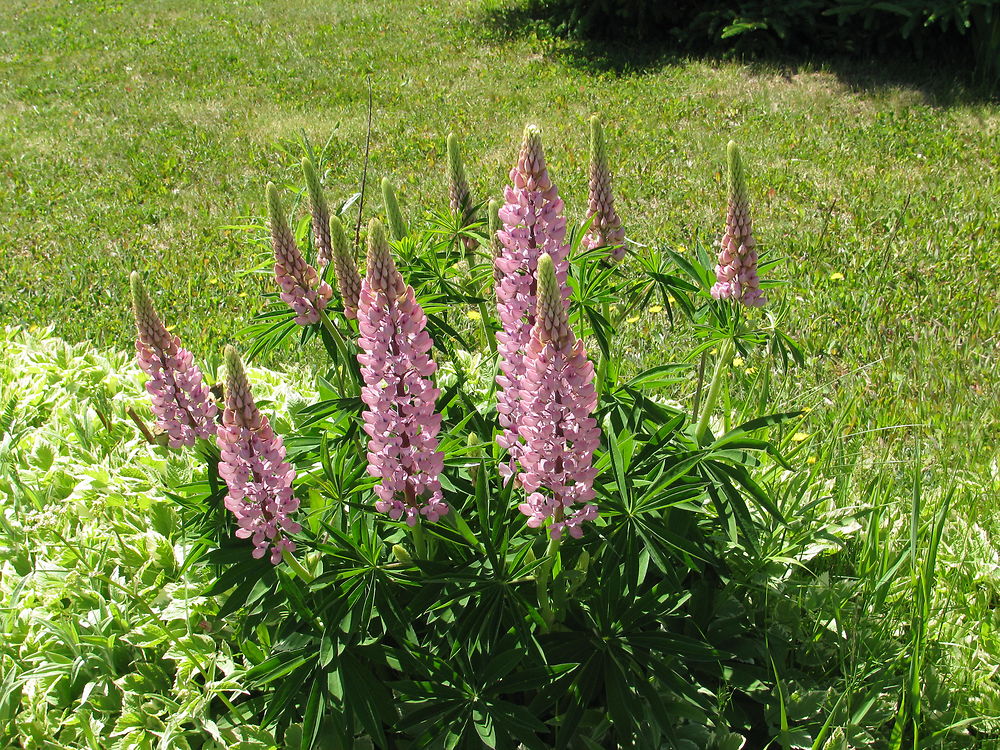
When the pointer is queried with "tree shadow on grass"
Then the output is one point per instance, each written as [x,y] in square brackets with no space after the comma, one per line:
[943,78]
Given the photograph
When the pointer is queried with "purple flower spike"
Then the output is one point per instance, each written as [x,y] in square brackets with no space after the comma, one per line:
[301,287]
[557,399]
[254,468]
[736,272]
[532,226]
[181,401]
[396,367]
[605,228]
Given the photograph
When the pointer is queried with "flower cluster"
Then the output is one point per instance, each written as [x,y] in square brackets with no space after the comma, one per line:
[181,401]
[560,435]
[736,272]
[605,228]
[532,226]
[301,287]
[400,418]
[345,268]
[254,468]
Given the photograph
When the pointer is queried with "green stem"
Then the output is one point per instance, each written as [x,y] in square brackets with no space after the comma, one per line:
[542,582]
[602,363]
[491,340]
[721,368]
[341,345]
[419,542]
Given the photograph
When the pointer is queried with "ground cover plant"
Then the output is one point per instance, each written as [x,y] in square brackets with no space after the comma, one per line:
[898,376]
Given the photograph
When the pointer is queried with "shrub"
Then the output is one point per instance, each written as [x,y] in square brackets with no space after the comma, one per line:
[805,26]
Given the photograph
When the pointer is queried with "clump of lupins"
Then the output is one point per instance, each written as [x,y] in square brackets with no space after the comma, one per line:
[736,271]
[460,197]
[533,225]
[320,215]
[560,435]
[396,366]
[397,224]
[345,268]
[605,228]
[254,468]
[301,287]
[181,401]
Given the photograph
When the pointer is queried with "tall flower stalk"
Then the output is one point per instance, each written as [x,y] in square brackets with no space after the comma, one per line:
[396,367]
[320,215]
[557,400]
[736,271]
[301,287]
[255,471]
[181,402]
[533,225]
[605,227]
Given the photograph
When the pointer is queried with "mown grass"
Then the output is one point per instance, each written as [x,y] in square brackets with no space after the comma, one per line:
[132,135]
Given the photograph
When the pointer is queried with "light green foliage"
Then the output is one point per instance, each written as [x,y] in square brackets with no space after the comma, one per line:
[108,639]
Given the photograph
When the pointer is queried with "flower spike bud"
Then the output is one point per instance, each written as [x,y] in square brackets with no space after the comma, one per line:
[397,224]
[605,228]
[254,468]
[560,435]
[458,189]
[736,272]
[180,400]
[399,397]
[301,287]
[533,225]
[345,268]
[320,215]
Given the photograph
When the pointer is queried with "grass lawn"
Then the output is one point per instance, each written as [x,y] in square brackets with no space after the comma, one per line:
[140,135]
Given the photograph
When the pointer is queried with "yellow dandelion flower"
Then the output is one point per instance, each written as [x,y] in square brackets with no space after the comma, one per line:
[682,248]
[798,437]
[656,309]
[474,315]
[751,370]
[738,361]
[836,276]
[670,299]
[811,460]
[633,319]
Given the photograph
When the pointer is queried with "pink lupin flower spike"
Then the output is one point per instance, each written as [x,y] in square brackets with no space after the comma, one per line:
[320,215]
[605,228]
[345,268]
[736,272]
[181,402]
[532,226]
[301,287]
[560,435]
[254,468]
[396,366]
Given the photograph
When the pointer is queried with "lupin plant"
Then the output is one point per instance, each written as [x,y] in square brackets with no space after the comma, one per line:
[605,227]
[181,402]
[736,271]
[301,287]
[396,366]
[453,583]
[533,225]
[254,469]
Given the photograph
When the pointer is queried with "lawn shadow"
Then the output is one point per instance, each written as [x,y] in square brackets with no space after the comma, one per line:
[941,80]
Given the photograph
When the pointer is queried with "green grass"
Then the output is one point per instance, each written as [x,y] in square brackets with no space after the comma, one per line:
[132,135]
